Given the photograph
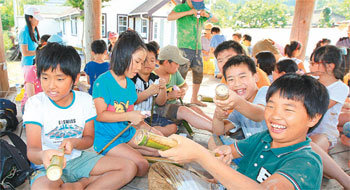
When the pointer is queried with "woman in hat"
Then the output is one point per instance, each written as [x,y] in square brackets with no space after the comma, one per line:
[29,37]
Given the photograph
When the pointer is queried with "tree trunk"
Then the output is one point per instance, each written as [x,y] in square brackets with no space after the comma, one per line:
[302,23]
[92,24]
[4,81]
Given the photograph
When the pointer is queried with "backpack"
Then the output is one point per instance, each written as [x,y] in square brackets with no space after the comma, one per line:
[14,164]
[8,113]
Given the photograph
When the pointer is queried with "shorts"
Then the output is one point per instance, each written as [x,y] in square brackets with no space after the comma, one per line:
[196,64]
[169,111]
[75,169]
[158,120]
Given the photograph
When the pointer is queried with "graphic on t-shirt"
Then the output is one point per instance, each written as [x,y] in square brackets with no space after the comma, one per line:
[123,107]
[65,129]
[263,175]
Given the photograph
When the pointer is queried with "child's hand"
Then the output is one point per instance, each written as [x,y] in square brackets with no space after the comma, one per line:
[229,103]
[183,152]
[156,131]
[47,156]
[175,94]
[135,117]
[220,114]
[153,89]
[182,93]
[225,153]
[67,146]
[203,13]
[162,83]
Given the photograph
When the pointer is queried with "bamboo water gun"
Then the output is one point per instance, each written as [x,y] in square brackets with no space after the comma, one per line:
[221,92]
[54,170]
[184,122]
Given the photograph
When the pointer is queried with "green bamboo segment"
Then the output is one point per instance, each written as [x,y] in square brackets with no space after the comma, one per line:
[54,171]
[185,123]
[148,139]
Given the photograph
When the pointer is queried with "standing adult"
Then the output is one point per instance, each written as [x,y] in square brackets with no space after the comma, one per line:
[29,37]
[190,17]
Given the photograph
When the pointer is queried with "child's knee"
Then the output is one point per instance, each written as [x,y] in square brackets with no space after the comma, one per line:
[142,167]
[172,128]
[129,169]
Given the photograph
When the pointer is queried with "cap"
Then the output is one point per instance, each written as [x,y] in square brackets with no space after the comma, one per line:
[171,52]
[33,11]
[198,4]
[264,45]
[208,26]
[56,38]
[112,35]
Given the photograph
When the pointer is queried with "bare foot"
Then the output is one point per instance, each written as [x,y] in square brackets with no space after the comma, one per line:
[198,103]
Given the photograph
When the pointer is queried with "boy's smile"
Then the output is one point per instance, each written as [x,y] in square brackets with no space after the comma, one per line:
[287,120]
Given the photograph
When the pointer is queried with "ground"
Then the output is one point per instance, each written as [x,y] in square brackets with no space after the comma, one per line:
[340,153]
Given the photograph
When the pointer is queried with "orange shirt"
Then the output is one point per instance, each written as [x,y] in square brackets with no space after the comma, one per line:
[346,79]
[263,79]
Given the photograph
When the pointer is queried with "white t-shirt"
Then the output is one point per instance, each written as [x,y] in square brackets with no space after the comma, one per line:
[58,123]
[338,92]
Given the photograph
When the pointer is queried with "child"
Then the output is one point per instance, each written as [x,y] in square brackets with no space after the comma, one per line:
[292,51]
[114,96]
[266,61]
[169,61]
[247,42]
[327,65]
[214,42]
[149,88]
[283,67]
[61,118]
[245,98]
[280,158]
[97,66]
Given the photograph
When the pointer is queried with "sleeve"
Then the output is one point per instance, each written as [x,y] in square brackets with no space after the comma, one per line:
[30,76]
[247,146]
[213,42]
[32,108]
[260,98]
[89,110]
[86,69]
[179,80]
[339,92]
[99,89]
[234,119]
[23,38]
[302,172]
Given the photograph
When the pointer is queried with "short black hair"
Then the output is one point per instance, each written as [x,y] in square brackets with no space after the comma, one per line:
[266,61]
[239,35]
[98,46]
[151,48]
[155,44]
[330,54]
[127,44]
[44,38]
[215,29]
[287,66]
[238,60]
[227,45]
[53,55]
[305,89]
[247,37]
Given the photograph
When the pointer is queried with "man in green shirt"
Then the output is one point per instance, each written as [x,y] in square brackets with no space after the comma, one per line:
[190,17]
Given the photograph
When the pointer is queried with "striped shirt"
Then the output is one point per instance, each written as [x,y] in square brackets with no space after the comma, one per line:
[142,85]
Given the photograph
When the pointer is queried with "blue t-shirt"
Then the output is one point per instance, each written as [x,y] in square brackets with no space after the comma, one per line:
[216,40]
[248,126]
[118,99]
[24,39]
[94,69]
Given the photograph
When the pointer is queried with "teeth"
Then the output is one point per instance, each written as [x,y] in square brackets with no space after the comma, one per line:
[278,126]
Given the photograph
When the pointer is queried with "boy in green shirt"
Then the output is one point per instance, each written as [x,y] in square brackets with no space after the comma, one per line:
[280,158]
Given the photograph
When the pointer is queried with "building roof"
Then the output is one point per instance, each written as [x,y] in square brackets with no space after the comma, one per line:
[149,7]
[56,11]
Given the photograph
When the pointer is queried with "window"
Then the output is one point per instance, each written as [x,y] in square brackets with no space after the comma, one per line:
[155,30]
[144,27]
[74,26]
[64,26]
[122,24]
[104,25]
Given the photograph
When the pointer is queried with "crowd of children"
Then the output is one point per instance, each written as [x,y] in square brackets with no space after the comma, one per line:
[277,124]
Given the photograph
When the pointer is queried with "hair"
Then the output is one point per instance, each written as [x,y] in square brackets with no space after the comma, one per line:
[287,66]
[290,48]
[98,46]
[228,45]
[162,61]
[324,40]
[266,61]
[53,55]
[330,54]
[151,48]
[304,89]
[215,29]
[247,37]
[238,60]
[44,38]
[239,35]
[265,45]
[127,44]
[155,44]
[30,28]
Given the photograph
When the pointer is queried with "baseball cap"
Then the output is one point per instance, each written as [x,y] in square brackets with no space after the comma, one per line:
[33,11]
[112,35]
[198,4]
[171,52]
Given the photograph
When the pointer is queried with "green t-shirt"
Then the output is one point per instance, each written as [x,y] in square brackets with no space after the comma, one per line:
[187,28]
[298,163]
[174,79]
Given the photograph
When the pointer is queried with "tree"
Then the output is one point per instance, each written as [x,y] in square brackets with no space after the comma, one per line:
[326,20]
[224,11]
[252,14]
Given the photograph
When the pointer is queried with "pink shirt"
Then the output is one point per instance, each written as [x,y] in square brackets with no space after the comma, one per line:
[31,77]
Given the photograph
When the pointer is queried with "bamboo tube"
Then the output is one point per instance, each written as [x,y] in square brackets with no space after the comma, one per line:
[54,171]
[148,139]
[221,92]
